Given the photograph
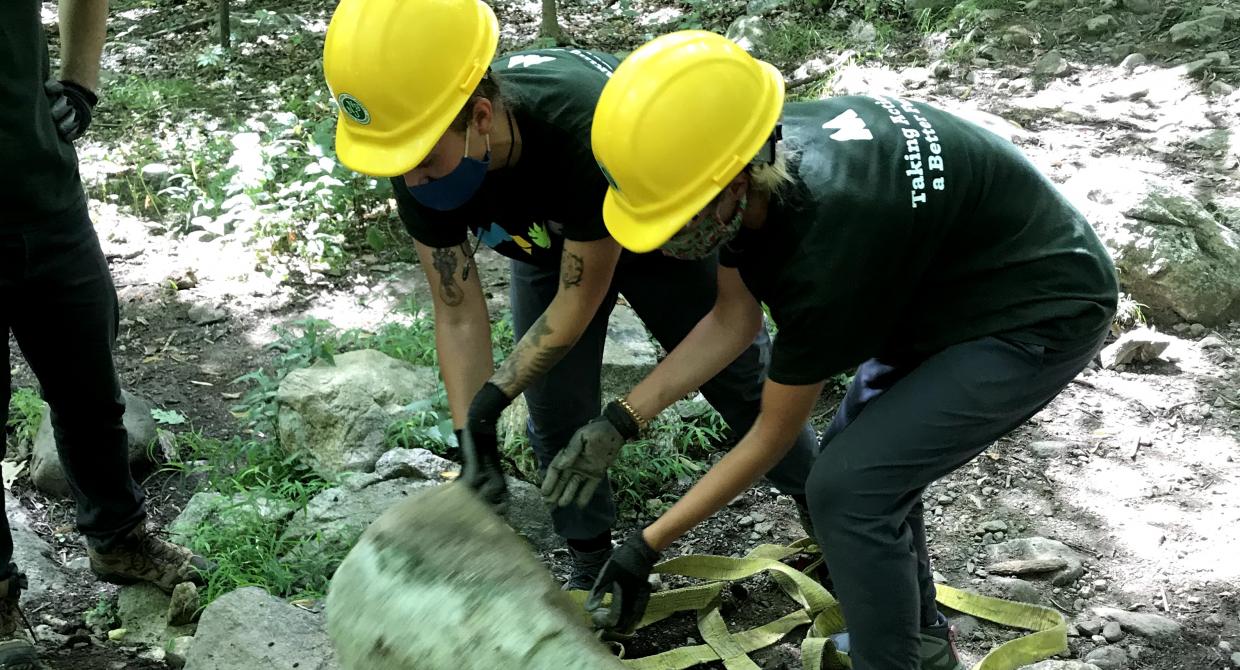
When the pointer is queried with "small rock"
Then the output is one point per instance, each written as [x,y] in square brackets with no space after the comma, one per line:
[1014,589]
[1220,87]
[1027,567]
[745,521]
[995,525]
[1113,632]
[1098,639]
[1057,664]
[1100,585]
[1100,25]
[1196,330]
[1219,58]
[1089,627]
[862,32]
[1197,31]
[965,625]
[1214,620]
[177,650]
[764,528]
[117,634]
[1132,62]
[204,314]
[184,604]
[1048,448]
[941,69]
[1235,659]
[1139,6]
[1153,626]
[751,33]
[1051,64]
[1212,342]
[1108,658]
[1224,645]
[1136,346]
[758,517]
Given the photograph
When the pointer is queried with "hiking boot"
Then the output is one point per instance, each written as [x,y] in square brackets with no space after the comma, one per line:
[143,557]
[938,646]
[586,567]
[16,651]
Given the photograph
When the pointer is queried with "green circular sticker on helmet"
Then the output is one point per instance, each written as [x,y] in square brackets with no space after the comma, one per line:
[354,109]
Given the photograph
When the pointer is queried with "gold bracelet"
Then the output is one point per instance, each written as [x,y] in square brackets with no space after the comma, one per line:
[637,418]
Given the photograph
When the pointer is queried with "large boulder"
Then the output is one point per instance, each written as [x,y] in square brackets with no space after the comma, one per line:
[47,577]
[338,414]
[250,628]
[48,474]
[334,519]
[1173,254]
[437,574]
[628,355]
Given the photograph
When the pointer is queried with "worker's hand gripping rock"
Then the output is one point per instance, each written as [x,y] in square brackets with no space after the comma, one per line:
[626,576]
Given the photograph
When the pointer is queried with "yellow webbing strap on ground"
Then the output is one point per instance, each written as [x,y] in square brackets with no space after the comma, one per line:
[1050,634]
[819,608]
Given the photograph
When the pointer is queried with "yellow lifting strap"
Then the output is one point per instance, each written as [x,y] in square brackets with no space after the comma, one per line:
[819,608]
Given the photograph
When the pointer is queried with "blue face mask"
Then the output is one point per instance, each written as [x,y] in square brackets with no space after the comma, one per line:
[454,189]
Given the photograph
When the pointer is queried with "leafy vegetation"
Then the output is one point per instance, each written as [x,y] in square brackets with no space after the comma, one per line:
[25,415]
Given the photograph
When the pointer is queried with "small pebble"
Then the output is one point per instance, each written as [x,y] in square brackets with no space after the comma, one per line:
[1100,585]
[1099,639]
[1214,620]
[1112,632]
[745,521]
[758,517]
[1224,645]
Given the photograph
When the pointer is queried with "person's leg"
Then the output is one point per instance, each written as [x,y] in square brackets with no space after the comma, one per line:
[65,322]
[564,399]
[869,476]
[671,296]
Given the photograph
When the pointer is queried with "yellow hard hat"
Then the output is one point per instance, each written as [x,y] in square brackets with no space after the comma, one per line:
[401,70]
[679,119]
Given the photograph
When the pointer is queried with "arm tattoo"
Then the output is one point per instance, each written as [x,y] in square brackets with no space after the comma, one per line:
[572,267]
[530,360]
[445,261]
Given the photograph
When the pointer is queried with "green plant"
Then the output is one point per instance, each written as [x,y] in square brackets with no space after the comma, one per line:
[672,455]
[103,615]
[1128,315]
[25,417]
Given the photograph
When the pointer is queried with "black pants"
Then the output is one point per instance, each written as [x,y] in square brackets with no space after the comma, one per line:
[57,299]
[903,425]
[670,296]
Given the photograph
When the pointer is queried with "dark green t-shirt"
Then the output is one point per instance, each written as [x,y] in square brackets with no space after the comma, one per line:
[910,230]
[38,170]
[555,191]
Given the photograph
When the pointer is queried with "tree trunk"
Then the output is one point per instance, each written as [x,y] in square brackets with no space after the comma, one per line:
[550,28]
[225,27]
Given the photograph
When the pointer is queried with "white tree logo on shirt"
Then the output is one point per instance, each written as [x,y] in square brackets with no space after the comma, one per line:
[526,60]
[848,126]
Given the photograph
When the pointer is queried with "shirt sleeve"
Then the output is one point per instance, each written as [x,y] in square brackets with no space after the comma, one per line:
[423,223]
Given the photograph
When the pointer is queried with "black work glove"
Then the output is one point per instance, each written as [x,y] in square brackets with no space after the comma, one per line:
[72,106]
[482,468]
[580,467]
[626,576]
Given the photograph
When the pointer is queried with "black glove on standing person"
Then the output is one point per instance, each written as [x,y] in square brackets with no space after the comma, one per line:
[72,107]
[482,469]
[626,576]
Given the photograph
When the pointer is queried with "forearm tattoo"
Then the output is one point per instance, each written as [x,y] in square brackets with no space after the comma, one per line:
[445,263]
[531,359]
[572,268]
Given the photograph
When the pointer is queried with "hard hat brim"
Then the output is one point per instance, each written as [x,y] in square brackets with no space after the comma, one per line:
[383,156]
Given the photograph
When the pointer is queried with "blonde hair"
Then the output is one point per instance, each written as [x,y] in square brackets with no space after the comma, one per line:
[771,178]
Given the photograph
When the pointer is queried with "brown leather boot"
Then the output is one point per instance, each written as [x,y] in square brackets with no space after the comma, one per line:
[16,651]
[144,557]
